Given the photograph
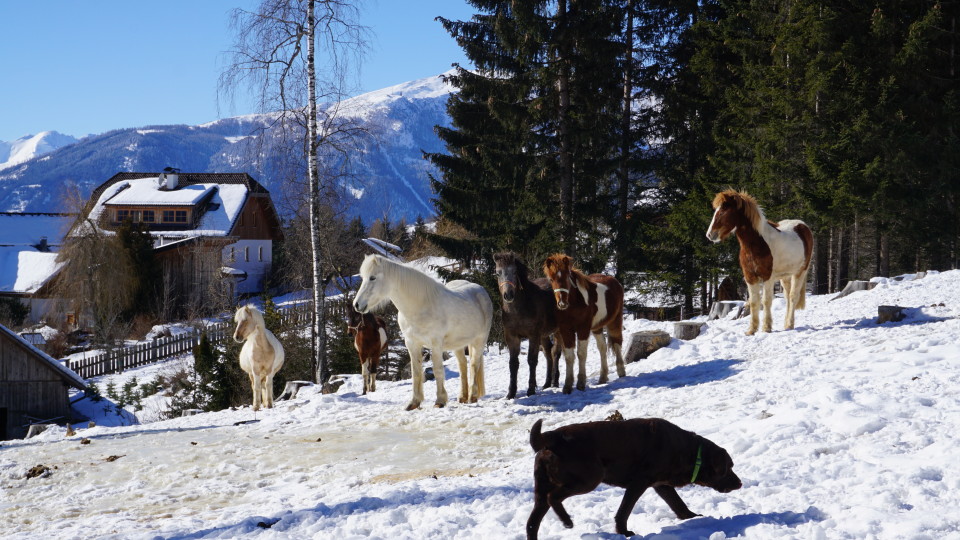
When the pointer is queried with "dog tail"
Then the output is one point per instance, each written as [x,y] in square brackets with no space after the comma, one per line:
[536,439]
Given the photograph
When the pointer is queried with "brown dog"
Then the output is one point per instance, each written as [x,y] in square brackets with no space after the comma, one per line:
[632,454]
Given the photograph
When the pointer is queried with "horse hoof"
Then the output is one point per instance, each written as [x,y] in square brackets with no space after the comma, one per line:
[602,380]
[531,392]
[413,406]
[439,405]
[751,332]
[567,389]
[582,387]
[511,394]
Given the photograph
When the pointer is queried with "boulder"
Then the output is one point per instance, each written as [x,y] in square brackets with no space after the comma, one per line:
[687,330]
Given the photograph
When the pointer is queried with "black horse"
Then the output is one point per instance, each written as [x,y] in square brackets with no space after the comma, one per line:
[529,311]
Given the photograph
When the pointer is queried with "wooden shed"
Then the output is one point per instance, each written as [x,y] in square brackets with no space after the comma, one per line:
[34,387]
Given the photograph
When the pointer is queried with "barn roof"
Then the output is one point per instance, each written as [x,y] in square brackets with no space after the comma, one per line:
[68,375]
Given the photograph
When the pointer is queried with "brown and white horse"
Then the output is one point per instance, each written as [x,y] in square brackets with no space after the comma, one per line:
[370,340]
[768,251]
[585,305]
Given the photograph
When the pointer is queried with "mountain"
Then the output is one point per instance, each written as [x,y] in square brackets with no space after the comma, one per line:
[389,176]
[31,146]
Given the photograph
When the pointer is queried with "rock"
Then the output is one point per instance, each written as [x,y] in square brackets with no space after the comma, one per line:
[428,374]
[643,344]
[41,471]
[615,417]
[889,314]
[291,389]
[687,330]
[854,286]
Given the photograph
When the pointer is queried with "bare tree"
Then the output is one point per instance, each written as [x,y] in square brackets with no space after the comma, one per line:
[275,56]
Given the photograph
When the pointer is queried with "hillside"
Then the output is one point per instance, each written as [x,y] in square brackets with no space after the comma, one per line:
[390,177]
[842,428]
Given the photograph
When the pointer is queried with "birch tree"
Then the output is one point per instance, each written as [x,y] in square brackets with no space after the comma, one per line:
[293,55]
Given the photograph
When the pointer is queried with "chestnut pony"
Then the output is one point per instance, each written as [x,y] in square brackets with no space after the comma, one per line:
[370,340]
[585,305]
[768,252]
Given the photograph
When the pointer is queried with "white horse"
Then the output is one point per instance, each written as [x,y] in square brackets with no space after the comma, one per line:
[261,356]
[432,315]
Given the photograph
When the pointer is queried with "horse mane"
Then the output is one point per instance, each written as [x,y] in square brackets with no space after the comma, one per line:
[743,202]
[575,274]
[411,279]
[508,257]
[251,312]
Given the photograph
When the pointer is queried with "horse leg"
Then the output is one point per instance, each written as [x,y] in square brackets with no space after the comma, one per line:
[568,357]
[268,392]
[753,299]
[615,335]
[768,305]
[479,388]
[464,377]
[602,347]
[436,356]
[557,351]
[372,372]
[533,351]
[547,346]
[365,373]
[787,286]
[513,345]
[415,350]
[582,363]
[256,391]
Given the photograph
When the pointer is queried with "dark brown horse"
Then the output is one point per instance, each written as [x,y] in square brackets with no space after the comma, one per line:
[585,305]
[370,339]
[768,251]
[529,312]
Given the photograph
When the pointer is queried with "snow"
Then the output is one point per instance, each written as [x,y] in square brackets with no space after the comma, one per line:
[30,146]
[146,191]
[842,428]
[24,269]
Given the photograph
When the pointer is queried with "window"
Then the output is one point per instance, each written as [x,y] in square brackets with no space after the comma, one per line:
[122,215]
[260,253]
[246,254]
[175,216]
[148,216]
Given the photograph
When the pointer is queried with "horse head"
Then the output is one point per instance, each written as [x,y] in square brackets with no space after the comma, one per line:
[732,209]
[559,270]
[246,319]
[511,273]
[354,320]
[373,289]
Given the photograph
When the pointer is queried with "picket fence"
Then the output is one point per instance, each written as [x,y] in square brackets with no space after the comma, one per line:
[141,354]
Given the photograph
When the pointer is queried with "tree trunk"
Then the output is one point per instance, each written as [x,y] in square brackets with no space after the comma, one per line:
[319,296]
[625,143]
[821,283]
[563,112]
[843,257]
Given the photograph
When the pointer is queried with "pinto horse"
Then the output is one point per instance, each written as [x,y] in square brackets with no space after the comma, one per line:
[370,340]
[768,251]
[432,315]
[585,305]
[529,311]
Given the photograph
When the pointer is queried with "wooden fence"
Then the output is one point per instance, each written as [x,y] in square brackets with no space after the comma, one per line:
[141,354]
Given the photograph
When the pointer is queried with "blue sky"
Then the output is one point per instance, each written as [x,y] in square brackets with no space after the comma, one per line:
[83,67]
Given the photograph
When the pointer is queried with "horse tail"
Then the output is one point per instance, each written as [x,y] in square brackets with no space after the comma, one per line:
[536,438]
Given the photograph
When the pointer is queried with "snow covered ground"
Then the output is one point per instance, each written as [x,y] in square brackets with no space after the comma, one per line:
[842,428]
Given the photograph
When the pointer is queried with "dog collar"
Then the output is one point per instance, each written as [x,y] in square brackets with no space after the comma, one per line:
[696,466]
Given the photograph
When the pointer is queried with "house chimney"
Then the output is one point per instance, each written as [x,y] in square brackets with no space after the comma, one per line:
[169,178]
[43,246]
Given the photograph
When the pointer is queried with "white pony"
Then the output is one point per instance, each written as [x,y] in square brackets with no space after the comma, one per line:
[432,315]
[261,356]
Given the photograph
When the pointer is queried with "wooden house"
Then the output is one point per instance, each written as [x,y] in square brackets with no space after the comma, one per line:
[212,231]
[34,388]
[29,242]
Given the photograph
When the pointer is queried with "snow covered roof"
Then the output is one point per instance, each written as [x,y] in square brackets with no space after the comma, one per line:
[223,200]
[26,229]
[23,269]
[68,374]
[146,191]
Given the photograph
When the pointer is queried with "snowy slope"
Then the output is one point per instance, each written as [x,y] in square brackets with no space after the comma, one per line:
[31,146]
[840,429]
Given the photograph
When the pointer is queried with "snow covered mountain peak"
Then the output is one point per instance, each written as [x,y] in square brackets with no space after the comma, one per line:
[30,146]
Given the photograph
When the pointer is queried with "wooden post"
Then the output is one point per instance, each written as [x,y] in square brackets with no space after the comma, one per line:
[889,314]
[687,330]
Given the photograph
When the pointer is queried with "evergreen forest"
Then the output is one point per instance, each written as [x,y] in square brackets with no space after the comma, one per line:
[603,128]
